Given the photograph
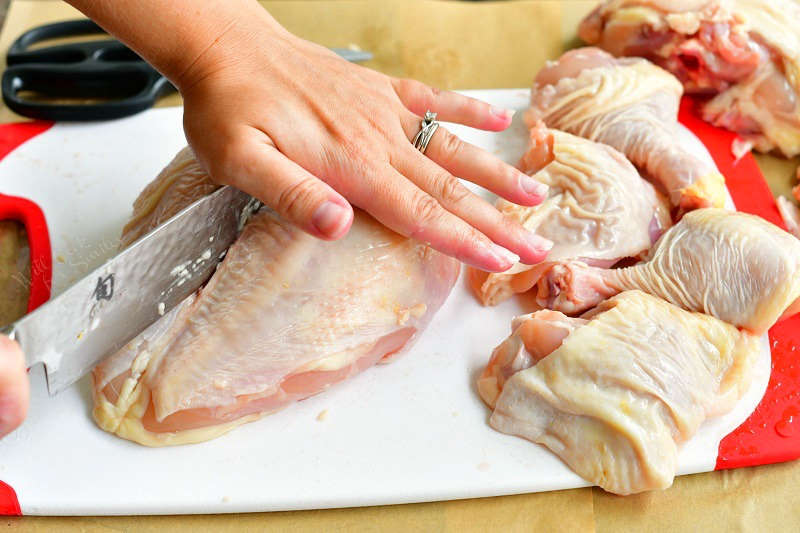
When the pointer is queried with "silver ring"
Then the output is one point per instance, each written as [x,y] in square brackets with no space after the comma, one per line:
[426,130]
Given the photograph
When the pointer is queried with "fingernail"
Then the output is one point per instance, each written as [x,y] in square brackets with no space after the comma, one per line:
[539,244]
[501,112]
[506,256]
[329,219]
[533,187]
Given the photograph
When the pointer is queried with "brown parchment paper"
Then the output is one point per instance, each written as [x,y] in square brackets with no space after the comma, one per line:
[468,45]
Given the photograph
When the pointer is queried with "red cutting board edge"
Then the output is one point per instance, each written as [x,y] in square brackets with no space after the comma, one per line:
[772,433]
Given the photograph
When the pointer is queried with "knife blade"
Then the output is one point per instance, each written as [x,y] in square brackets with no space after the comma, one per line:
[103,311]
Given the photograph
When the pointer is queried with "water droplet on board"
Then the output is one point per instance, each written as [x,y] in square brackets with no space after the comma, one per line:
[785,428]
[788,426]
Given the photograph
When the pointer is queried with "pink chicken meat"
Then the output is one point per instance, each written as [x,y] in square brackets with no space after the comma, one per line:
[284,317]
[631,105]
[745,53]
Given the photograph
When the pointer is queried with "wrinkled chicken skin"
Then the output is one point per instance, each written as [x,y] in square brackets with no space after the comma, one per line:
[733,266]
[598,209]
[631,105]
[746,52]
[284,317]
[622,389]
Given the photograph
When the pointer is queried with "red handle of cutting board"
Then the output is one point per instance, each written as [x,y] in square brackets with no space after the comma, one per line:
[11,137]
[32,217]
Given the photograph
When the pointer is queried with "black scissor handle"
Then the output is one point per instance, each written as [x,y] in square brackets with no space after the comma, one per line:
[107,50]
[104,69]
[133,87]
[69,28]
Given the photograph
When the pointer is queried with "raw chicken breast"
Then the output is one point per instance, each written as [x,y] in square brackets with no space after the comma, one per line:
[747,52]
[733,266]
[181,182]
[631,105]
[284,317]
[621,389]
[598,209]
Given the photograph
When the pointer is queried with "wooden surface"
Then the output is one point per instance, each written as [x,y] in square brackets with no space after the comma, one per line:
[14,271]
[469,45]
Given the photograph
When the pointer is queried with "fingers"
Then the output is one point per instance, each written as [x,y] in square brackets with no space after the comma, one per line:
[13,386]
[259,169]
[460,201]
[450,106]
[480,167]
[398,204]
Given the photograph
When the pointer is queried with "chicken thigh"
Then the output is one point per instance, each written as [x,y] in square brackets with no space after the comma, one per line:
[284,317]
[746,52]
[598,210]
[631,105]
[733,266]
[614,394]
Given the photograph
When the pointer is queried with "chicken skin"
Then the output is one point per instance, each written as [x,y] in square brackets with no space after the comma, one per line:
[284,317]
[599,210]
[614,394]
[746,53]
[733,266]
[631,105]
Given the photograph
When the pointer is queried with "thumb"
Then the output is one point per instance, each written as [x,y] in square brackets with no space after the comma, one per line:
[13,386]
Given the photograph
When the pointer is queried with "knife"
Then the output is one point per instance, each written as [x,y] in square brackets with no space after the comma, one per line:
[102,312]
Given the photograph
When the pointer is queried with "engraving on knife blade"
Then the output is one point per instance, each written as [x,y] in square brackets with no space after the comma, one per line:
[105,288]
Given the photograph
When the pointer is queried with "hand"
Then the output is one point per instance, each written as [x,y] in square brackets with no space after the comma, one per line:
[13,386]
[308,133]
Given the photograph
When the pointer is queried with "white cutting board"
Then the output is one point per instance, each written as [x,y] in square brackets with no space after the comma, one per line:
[411,431]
